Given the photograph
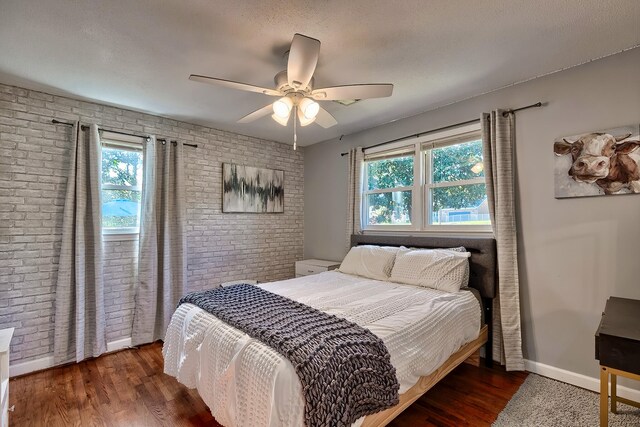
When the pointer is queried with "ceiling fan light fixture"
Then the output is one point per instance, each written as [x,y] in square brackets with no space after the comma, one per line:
[304,121]
[309,108]
[295,89]
[280,120]
[282,107]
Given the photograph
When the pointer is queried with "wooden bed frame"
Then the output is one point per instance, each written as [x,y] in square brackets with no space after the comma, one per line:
[425,383]
[483,263]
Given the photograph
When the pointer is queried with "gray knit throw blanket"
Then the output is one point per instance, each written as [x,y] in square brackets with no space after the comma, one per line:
[345,370]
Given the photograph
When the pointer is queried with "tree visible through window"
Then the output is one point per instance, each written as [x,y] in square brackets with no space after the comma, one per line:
[457,189]
[428,184]
[121,188]
[388,196]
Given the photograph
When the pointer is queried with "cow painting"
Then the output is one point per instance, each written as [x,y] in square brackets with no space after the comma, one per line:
[598,163]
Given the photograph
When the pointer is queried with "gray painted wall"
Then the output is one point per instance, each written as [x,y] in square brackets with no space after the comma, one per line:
[574,253]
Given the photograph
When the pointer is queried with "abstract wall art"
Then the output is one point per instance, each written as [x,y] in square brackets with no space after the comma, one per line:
[250,189]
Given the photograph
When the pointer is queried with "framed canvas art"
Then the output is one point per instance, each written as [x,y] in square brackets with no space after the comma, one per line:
[250,189]
[598,163]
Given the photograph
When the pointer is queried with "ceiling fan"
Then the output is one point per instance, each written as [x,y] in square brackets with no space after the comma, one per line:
[296,92]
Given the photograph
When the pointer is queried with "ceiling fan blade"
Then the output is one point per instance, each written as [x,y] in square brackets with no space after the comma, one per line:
[303,58]
[359,91]
[234,85]
[264,111]
[325,119]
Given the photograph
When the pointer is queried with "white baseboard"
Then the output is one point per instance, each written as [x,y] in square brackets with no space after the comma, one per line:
[576,379]
[30,366]
[48,362]
[118,345]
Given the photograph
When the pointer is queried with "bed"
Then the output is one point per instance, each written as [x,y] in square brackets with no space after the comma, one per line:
[427,332]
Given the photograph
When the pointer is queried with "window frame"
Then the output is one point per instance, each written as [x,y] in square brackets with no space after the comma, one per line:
[422,182]
[125,143]
[379,155]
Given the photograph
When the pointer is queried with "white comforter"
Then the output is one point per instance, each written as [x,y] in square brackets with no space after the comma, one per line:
[246,383]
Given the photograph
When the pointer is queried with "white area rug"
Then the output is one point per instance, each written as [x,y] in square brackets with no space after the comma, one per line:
[542,402]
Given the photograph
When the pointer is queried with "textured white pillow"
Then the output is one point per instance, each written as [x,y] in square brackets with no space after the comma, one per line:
[442,269]
[374,262]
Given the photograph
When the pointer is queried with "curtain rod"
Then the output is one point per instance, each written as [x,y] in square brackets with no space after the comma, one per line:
[58,122]
[468,122]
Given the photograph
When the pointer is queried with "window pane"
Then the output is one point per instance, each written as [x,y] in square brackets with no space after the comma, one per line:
[460,204]
[121,167]
[120,208]
[392,208]
[457,162]
[390,173]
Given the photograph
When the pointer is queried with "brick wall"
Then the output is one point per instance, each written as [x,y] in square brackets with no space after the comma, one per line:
[34,160]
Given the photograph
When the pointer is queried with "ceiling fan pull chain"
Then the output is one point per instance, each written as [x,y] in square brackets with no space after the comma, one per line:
[295,134]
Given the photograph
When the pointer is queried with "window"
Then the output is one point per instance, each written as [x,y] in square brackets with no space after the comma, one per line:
[389,189]
[121,176]
[456,193]
[434,184]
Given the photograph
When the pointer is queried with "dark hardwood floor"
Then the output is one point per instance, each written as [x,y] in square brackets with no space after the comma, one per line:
[128,388]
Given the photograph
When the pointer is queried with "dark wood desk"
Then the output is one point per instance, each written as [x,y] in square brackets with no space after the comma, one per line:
[618,350]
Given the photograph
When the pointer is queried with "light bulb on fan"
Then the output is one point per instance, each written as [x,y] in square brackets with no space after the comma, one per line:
[309,108]
[280,120]
[306,111]
[304,121]
[282,107]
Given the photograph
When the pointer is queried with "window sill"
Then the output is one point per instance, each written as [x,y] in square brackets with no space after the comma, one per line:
[119,237]
[457,232]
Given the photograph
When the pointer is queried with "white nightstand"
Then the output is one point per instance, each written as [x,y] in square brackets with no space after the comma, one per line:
[307,267]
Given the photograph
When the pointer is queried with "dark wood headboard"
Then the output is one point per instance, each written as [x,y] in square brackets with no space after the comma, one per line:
[482,265]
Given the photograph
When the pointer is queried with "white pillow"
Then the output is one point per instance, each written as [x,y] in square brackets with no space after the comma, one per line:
[442,269]
[374,262]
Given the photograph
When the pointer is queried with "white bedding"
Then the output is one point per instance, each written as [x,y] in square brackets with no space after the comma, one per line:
[246,383]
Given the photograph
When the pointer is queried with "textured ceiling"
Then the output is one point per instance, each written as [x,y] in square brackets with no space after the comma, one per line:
[138,54]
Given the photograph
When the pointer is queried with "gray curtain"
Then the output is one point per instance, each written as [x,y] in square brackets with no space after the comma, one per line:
[80,319]
[498,151]
[354,193]
[162,247]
